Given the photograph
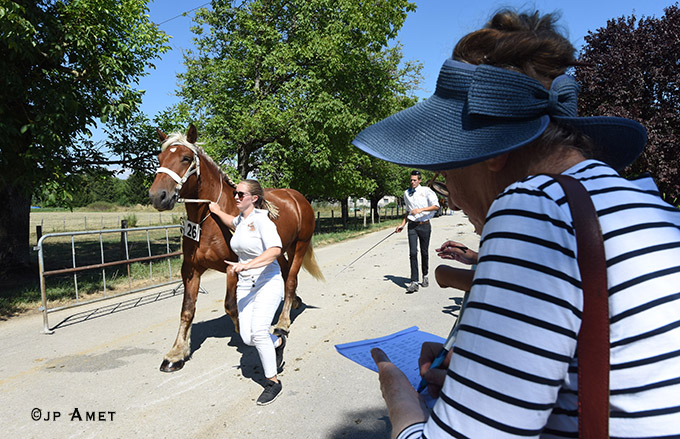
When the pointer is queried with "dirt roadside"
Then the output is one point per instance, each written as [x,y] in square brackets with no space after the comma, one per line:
[99,377]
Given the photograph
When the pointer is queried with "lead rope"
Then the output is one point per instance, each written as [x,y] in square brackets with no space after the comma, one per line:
[218,199]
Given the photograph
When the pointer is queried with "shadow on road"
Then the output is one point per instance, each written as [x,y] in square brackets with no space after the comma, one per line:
[400,281]
[355,429]
[456,306]
[116,307]
[223,327]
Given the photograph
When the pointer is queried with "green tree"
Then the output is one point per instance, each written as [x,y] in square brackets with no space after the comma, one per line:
[390,179]
[632,69]
[281,87]
[135,189]
[64,65]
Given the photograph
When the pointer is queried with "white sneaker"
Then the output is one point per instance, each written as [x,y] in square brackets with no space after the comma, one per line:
[425,283]
[412,288]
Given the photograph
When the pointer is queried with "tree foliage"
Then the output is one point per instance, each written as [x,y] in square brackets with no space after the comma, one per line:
[96,187]
[281,87]
[64,65]
[633,70]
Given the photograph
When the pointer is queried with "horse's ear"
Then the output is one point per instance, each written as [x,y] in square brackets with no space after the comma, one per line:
[161,135]
[192,134]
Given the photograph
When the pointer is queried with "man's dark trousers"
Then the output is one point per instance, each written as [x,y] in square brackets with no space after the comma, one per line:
[418,233]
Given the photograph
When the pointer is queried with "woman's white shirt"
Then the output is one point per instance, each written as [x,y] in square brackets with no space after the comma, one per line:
[254,235]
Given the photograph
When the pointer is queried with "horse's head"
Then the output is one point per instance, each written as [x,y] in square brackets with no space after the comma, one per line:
[179,161]
[438,187]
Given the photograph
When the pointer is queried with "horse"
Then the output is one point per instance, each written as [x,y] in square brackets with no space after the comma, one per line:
[188,174]
[442,193]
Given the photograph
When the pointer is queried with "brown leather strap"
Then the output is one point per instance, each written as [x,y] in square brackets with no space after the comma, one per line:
[593,338]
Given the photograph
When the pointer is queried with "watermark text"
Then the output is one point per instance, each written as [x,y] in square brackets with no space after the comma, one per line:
[77,415]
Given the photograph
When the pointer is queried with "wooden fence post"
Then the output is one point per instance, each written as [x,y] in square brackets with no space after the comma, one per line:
[123,240]
[123,245]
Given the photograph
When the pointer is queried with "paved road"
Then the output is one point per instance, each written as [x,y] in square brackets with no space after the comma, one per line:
[99,377]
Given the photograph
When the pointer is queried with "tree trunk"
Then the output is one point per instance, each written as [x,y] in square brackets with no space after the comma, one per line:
[14,229]
[374,208]
[243,156]
[344,206]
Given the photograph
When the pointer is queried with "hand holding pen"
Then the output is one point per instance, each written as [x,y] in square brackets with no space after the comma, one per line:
[433,363]
[457,252]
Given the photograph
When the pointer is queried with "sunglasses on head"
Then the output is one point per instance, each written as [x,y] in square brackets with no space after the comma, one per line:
[240,194]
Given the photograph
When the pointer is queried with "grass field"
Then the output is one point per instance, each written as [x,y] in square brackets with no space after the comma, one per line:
[56,221]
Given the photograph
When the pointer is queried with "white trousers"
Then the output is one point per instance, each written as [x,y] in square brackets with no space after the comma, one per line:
[257,302]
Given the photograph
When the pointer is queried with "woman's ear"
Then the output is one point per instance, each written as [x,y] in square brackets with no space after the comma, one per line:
[496,164]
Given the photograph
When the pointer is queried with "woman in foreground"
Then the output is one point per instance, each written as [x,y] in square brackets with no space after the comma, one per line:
[503,116]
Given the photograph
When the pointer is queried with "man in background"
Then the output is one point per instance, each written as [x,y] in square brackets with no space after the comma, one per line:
[421,204]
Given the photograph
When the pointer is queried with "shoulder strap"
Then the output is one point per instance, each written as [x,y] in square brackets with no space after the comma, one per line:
[593,338]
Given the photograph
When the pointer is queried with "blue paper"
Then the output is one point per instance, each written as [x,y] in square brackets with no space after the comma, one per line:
[402,348]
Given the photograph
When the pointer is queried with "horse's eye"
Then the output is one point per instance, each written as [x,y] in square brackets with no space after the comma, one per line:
[186,158]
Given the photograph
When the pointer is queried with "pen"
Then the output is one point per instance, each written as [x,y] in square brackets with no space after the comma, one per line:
[448,344]
[459,247]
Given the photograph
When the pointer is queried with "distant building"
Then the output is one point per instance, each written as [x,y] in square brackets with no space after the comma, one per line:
[387,200]
[365,202]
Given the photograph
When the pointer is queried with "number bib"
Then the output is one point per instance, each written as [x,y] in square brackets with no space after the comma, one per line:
[191,230]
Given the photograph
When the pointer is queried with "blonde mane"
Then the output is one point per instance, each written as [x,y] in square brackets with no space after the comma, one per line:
[178,138]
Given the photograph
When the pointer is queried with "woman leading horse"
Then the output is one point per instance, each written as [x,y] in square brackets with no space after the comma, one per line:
[186,172]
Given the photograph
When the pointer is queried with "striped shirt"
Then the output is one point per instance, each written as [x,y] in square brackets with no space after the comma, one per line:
[513,372]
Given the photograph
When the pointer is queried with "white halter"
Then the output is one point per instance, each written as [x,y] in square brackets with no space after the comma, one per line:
[194,168]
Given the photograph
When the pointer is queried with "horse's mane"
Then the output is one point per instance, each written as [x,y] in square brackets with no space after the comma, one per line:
[178,138]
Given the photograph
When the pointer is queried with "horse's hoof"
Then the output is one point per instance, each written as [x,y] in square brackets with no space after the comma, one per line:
[280,331]
[171,366]
[297,302]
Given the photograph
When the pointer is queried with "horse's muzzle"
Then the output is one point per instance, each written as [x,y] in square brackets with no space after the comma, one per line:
[162,199]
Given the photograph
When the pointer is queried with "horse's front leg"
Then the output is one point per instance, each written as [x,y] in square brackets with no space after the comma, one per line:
[230,305]
[181,350]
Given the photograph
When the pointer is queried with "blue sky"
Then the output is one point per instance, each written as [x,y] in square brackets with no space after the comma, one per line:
[428,35]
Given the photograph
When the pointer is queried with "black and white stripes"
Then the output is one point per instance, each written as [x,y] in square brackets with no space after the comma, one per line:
[514,370]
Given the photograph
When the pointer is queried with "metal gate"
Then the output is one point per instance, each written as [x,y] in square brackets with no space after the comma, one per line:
[124,259]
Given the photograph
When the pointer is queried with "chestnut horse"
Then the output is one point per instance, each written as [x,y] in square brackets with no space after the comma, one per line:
[186,171]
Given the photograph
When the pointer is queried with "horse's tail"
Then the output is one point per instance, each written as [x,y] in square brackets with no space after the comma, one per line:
[273,210]
[310,265]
